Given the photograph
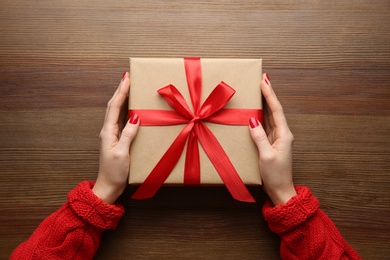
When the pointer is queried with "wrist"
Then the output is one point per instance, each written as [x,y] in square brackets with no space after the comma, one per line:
[282,197]
[105,192]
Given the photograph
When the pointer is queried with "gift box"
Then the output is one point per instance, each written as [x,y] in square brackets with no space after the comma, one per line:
[194,116]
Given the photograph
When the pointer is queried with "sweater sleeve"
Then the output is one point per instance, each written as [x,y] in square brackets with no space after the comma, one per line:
[305,231]
[73,231]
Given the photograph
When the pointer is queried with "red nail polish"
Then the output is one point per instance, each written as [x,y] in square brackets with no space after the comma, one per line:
[266,81]
[266,74]
[134,119]
[253,122]
[124,75]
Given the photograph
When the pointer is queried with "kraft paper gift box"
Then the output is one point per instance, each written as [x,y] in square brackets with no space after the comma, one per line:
[148,75]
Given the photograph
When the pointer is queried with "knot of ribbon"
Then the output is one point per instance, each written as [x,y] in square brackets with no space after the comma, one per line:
[195,130]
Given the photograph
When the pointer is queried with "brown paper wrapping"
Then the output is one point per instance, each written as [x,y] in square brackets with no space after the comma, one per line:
[147,75]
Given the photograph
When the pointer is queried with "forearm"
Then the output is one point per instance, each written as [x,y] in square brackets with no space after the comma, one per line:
[73,231]
[305,230]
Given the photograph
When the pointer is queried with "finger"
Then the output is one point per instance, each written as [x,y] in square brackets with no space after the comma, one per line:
[269,124]
[128,133]
[117,102]
[277,119]
[259,136]
[123,116]
[268,121]
[115,93]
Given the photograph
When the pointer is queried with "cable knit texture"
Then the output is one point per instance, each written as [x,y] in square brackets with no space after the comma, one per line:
[297,210]
[73,231]
[93,209]
[305,231]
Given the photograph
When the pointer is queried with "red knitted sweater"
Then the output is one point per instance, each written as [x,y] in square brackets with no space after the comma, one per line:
[73,231]
[305,231]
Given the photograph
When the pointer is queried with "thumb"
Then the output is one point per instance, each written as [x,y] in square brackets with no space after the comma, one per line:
[128,133]
[259,136]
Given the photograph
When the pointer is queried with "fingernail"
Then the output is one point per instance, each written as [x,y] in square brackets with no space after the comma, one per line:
[253,122]
[266,74]
[124,75]
[134,119]
[266,81]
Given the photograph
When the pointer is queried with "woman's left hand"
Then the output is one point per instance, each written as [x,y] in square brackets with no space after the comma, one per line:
[115,140]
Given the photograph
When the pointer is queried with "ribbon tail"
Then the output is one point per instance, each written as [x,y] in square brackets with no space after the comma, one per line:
[192,164]
[164,167]
[222,164]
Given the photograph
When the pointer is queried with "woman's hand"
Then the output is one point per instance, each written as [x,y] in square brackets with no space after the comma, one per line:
[114,160]
[275,148]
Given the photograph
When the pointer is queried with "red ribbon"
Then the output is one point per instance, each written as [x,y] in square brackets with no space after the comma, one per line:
[211,111]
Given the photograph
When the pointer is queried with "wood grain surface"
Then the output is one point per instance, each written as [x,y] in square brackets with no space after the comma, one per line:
[329,62]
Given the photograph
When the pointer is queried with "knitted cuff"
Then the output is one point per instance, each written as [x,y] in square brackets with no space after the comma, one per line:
[297,210]
[92,209]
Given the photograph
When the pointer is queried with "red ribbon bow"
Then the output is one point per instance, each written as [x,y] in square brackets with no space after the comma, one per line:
[211,111]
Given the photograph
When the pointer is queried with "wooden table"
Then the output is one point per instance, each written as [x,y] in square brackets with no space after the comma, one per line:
[60,62]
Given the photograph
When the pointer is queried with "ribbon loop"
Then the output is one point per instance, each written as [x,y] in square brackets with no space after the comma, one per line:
[217,99]
[176,100]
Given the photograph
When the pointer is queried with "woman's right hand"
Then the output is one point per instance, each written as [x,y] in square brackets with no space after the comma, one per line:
[275,148]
